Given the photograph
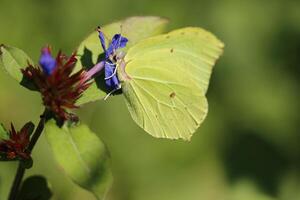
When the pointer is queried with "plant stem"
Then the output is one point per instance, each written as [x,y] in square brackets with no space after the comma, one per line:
[17,182]
[21,168]
[38,131]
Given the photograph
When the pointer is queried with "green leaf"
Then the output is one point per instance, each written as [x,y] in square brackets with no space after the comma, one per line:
[4,135]
[139,28]
[13,60]
[90,50]
[35,187]
[82,155]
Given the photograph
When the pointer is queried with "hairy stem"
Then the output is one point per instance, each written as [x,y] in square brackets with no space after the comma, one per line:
[21,168]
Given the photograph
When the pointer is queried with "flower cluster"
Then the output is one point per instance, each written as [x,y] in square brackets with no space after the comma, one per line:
[58,84]
[16,146]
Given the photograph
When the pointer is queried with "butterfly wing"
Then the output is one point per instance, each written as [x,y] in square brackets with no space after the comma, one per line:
[169,76]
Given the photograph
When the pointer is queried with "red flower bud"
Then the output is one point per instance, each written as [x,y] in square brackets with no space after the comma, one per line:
[16,146]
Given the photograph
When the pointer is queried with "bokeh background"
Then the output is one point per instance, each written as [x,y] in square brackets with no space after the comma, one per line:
[249,146]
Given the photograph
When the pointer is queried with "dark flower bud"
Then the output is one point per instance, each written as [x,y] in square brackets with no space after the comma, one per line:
[15,147]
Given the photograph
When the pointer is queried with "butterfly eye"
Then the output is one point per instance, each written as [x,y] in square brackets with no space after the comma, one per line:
[120,55]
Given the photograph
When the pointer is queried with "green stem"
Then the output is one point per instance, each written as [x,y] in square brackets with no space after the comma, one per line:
[21,168]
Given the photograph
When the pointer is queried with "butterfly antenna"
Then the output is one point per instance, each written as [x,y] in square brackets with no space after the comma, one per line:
[121,31]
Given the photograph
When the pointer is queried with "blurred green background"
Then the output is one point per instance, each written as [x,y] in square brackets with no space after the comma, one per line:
[247,149]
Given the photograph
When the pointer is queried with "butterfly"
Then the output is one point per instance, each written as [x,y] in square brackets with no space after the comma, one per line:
[164,80]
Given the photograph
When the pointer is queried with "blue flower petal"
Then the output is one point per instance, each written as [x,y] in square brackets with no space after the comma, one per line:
[112,82]
[102,40]
[47,62]
[117,42]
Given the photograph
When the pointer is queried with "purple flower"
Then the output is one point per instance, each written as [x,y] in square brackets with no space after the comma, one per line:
[47,62]
[118,41]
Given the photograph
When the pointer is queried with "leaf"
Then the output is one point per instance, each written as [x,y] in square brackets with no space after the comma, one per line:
[139,28]
[90,51]
[82,155]
[4,135]
[13,60]
[35,188]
